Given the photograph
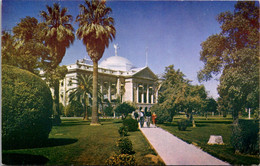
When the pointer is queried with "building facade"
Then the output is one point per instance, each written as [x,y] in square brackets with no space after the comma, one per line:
[118,78]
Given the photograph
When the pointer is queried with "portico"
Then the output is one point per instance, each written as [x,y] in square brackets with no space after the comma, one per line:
[118,78]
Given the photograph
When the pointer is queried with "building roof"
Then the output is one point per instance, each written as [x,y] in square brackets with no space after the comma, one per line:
[117,63]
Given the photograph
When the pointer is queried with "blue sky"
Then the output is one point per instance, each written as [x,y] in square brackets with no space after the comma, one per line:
[171,30]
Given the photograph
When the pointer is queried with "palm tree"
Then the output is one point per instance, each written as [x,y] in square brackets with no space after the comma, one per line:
[96,29]
[83,91]
[58,36]
[29,44]
[59,33]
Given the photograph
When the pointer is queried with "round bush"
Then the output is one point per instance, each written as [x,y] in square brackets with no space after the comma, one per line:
[75,108]
[123,131]
[245,136]
[162,114]
[121,159]
[131,124]
[26,108]
[124,109]
[125,145]
[182,124]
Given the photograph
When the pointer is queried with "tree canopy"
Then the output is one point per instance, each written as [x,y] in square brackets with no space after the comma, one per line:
[233,53]
[177,94]
[58,34]
[25,47]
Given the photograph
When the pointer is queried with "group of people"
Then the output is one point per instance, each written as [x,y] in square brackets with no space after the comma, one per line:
[146,117]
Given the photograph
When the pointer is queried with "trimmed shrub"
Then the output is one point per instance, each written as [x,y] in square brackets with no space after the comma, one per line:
[125,146]
[108,111]
[245,136]
[123,130]
[162,114]
[74,108]
[124,109]
[121,159]
[131,124]
[26,108]
[182,124]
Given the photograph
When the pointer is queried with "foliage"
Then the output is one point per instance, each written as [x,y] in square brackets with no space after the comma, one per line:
[245,136]
[96,29]
[108,111]
[68,111]
[123,130]
[178,95]
[58,34]
[162,114]
[26,108]
[62,109]
[125,145]
[121,159]
[124,109]
[210,106]
[53,77]
[234,53]
[131,124]
[183,124]
[83,91]
[25,48]
[74,108]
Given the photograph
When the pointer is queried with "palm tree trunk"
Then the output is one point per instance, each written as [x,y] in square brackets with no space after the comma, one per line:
[94,120]
[57,113]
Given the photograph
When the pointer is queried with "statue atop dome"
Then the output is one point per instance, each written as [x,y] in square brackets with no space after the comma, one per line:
[116,48]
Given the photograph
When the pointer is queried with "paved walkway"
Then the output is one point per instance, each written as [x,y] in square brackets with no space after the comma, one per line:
[174,151]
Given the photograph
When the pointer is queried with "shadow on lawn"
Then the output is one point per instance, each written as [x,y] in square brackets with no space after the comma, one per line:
[51,142]
[74,123]
[58,142]
[23,159]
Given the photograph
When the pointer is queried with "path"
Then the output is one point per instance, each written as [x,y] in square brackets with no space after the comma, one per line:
[174,151]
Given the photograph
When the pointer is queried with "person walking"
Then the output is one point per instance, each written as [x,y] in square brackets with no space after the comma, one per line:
[141,116]
[148,118]
[154,116]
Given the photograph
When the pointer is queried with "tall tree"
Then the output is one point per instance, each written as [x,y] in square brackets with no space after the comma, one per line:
[8,50]
[233,53]
[58,36]
[83,91]
[25,48]
[178,95]
[96,29]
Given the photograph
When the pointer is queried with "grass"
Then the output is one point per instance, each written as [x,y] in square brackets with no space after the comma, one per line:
[200,136]
[76,142]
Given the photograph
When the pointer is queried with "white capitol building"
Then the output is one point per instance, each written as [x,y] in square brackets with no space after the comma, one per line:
[117,77]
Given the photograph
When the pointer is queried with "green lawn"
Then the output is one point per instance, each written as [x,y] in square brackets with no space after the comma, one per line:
[76,142]
[200,136]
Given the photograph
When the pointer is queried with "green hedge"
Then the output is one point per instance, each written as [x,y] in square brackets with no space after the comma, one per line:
[131,124]
[74,108]
[162,114]
[26,108]
[183,124]
[245,136]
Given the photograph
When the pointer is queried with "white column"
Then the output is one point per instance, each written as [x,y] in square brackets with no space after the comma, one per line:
[152,98]
[109,91]
[147,94]
[137,92]
[101,87]
[142,96]
[118,84]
